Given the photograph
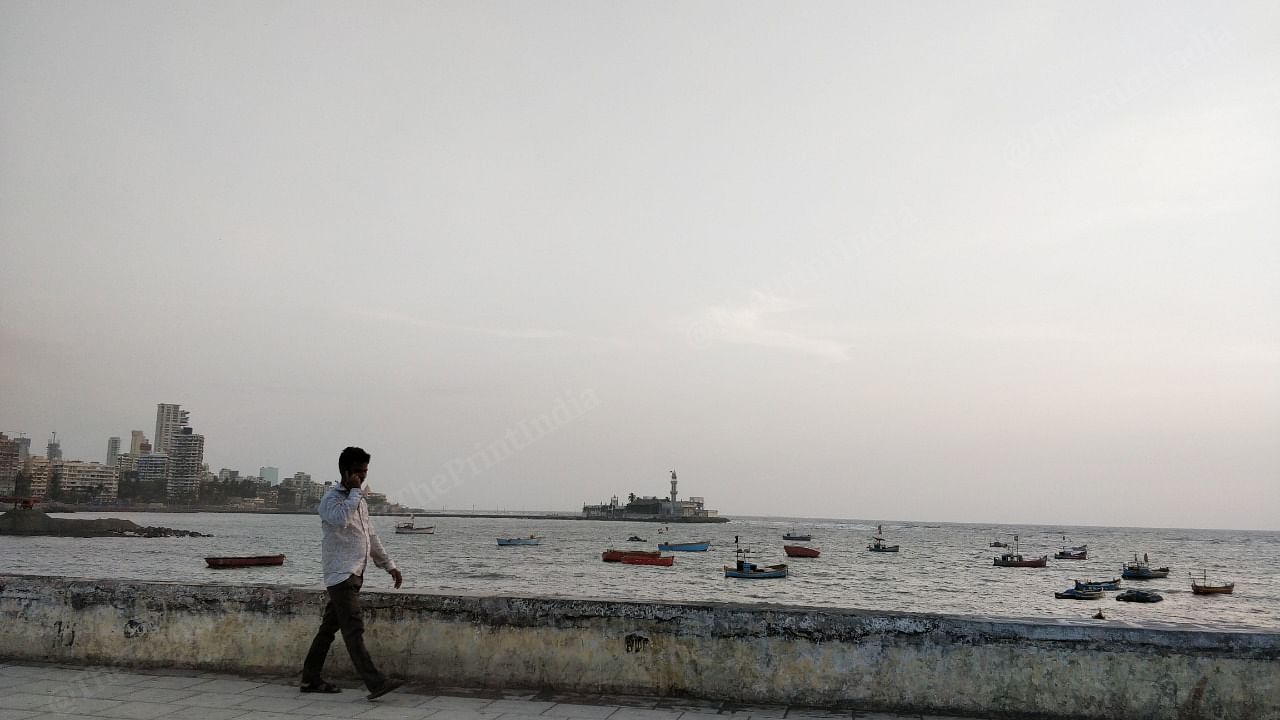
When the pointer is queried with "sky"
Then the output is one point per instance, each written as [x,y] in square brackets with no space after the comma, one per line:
[987,262]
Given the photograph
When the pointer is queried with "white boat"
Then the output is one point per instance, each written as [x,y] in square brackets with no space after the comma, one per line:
[410,528]
[531,540]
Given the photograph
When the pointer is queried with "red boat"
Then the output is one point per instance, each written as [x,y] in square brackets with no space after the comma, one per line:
[617,555]
[667,561]
[245,561]
[800,551]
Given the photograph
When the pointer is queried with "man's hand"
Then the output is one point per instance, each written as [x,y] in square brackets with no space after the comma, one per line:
[395,575]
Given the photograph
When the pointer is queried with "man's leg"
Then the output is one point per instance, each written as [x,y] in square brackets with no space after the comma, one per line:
[313,666]
[346,605]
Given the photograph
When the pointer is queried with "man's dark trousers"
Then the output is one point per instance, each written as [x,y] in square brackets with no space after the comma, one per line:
[342,613]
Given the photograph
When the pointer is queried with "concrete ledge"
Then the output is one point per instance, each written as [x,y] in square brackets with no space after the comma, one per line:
[765,654]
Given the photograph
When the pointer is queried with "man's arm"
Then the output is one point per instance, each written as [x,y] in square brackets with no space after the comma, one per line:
[380,557]
[337,510]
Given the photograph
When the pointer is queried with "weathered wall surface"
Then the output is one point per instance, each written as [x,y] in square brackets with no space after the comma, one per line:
[763,654]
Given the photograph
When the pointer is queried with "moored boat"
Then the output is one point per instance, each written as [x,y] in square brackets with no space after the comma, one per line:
[531,540]
[1015,558]
[1142,570]
[636,538]
[409,528]
[745,570]
[1210,588]
[618,555]
[878,544]
[793,535]
[696,546]
[655,559]
[1142,596]
[244,561]
[1099,585]
[1078,593]
[1078,552]
[800,551]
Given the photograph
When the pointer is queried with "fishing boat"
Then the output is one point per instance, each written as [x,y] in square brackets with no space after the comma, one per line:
[409,528]
[1015,558]
[618,555]
[1142,596]
[1142,570]
[1208,588]
[696,546]
[244,561]
[636,538]
[1078,552]
[995,542]
[877,542]
[800,551]
[655,559]
[1099,585]
[793,535]
[531,540]
[1078,593]
[744,569]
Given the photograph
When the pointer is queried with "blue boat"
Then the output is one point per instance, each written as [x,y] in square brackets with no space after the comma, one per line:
[750,571]
[699,546]
[1103,585]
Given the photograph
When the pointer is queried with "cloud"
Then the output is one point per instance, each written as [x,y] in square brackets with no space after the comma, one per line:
[499,332]
[755,323]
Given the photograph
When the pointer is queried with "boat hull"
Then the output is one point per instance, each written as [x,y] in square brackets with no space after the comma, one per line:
[1226,589]
[801,551]
[1019,561]
[416,530]
[661,561]
[1142,596]
[619,555]
[1104,585]
[1078,593]
[1069,555]
[1144,573]
[509,542]
[883,548]
[701,546]
[801,538]
[754,572]
[244,561]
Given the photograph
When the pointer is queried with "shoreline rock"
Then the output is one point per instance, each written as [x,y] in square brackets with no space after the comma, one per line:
[38,522]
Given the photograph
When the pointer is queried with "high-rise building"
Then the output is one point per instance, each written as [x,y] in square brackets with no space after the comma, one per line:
[153,468]
[37,470]
[113,451]
[270,475]
[80,481]
[170,419]
[135,442]
[185,458]
[24,449]
[53,451]
[9,464]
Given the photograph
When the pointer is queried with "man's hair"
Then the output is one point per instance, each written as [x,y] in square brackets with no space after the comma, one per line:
[350,458]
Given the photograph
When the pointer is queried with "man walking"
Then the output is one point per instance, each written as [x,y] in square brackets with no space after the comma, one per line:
[349,541]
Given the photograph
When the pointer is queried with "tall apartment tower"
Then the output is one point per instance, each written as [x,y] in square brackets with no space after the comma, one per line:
[53,451]
[135,442]
[170,419]
[113,451]
[270,475]
[185,458]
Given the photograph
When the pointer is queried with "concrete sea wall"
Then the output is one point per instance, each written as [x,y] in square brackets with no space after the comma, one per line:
[748,653]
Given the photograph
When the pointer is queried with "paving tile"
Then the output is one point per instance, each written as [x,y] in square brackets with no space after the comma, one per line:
[170,682]
[24,701]
[392,712]
[812,713]
[9,680]
[591,712]
[212,700]
[144,710]
[519,707]
[274,704]
[265,715]
[459,703]
[645,714]
[231,713]
[225,685]
[158,695]
[10,714]
[276,691]
[79,706]
[460,714]
[755,711]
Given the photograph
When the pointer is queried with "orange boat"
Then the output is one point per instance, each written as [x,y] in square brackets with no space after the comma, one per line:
[800,551]
[1208,588]
[618,555]
[244,561]
[667,561]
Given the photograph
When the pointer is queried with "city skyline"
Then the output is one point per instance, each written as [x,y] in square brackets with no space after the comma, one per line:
[979,262]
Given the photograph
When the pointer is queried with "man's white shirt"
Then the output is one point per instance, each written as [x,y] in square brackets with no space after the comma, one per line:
[349,540]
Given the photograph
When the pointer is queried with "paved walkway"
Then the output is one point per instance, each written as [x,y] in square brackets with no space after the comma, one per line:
[51,692]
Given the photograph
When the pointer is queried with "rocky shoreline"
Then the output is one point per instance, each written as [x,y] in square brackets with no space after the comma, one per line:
[37,522]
